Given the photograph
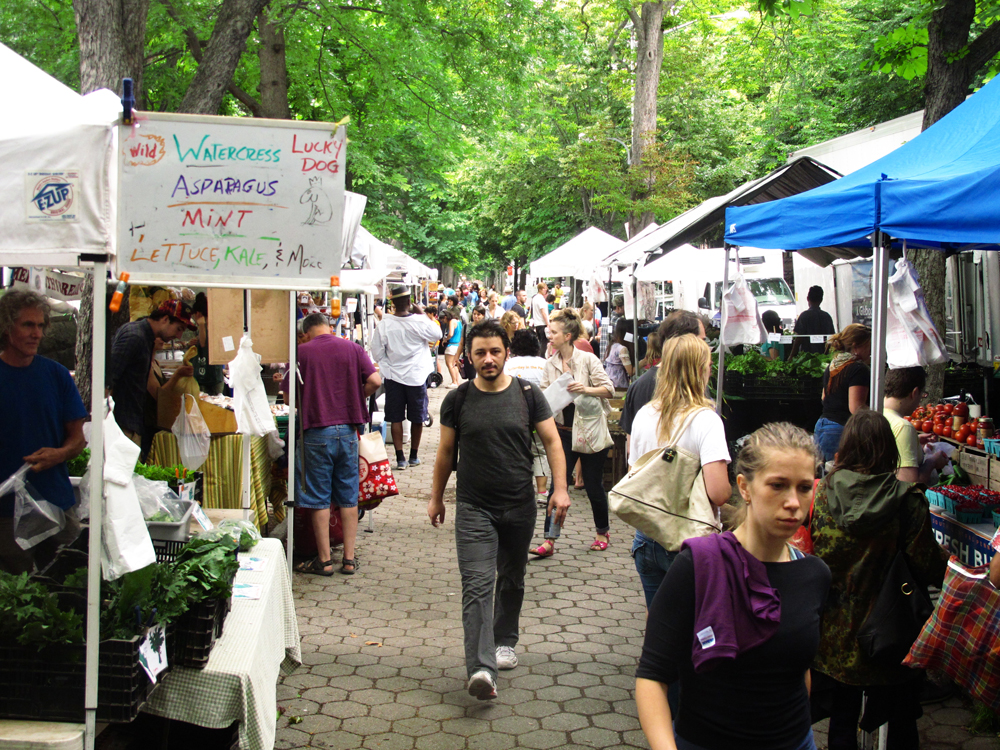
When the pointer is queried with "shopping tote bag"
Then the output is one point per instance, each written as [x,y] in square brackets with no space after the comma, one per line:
[375,475]
[962,637]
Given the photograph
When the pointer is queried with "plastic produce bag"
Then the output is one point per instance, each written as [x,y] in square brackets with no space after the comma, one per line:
[193,437]
[911,337]
[158,501]
[741,323]
[243,532]
[253,413]
[35,518]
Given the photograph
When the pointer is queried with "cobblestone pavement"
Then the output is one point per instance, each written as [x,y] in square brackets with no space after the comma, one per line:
[383,664]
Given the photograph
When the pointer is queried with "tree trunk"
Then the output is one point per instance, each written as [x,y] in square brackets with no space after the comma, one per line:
[649,59]
[273,71]
[229,38]
[112,36]
[946,87]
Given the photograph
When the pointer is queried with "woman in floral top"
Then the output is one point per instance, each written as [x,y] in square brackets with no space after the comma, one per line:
[618,363]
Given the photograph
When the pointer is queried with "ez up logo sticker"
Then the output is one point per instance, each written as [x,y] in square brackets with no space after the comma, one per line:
[52,196]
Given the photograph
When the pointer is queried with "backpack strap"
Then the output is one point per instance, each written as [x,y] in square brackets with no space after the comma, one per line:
[460,393]
[529,399]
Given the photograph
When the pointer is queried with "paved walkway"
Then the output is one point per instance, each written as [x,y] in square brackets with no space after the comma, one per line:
[383,664]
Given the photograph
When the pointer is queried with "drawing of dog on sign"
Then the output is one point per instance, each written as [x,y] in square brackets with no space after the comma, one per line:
[320,208]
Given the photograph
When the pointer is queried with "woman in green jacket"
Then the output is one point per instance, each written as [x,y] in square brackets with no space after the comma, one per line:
[862,516]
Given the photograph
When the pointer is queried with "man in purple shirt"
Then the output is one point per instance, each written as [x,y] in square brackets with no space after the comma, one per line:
[337,379]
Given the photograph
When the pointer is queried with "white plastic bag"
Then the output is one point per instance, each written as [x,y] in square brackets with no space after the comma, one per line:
[120,453]
[253,413]
[558,395]
[193,437]
[911,338]
[35,518]
[126,545]
[741,323]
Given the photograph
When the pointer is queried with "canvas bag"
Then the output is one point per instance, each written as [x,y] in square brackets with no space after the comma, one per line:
[590,426]
[664,496]
[376,482]
[193,438]
[960,638]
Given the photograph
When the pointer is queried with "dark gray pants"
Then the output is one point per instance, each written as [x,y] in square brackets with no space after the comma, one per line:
[492,553]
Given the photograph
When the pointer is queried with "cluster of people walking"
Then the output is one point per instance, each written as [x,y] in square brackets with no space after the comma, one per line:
[763,612]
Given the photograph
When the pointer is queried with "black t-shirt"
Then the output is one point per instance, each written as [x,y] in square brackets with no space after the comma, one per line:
[494,454]
[757,701]
[836,405]
[813,322]
[519,309]
[639,394]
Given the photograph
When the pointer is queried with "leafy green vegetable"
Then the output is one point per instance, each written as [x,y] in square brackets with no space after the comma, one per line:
[30,615]
[208,567]
[156,473]
[801,366]
[78,466]
[161,516]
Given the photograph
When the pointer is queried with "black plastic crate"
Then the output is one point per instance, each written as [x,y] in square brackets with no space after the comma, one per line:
[781,388]
[194,634]
[167,550]
[49,685]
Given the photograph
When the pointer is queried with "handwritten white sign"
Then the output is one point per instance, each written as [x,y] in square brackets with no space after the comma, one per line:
[228,199]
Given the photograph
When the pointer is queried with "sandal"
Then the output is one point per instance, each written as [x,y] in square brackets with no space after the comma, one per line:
[601,544]
[545,549]
[354,565]
[316,567]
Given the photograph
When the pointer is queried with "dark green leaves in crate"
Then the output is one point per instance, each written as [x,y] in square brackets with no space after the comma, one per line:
[30,615]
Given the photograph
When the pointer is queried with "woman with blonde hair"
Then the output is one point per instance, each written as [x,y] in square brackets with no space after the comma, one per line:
[494,310]
[845,385]
[737,619]
[593,387]
[511,322]
[679,414]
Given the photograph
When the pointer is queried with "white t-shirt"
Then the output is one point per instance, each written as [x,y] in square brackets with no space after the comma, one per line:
[399,345]
[705,436]
[529,368]
[538,304]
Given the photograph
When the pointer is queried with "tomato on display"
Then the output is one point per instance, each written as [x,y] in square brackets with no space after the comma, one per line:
[963,433]
[946,432]
[971,440]
[927,426]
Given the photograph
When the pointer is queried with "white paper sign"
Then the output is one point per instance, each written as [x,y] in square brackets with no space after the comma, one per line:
[786,339]
[227,343]
[252,564]
[774,337]
[817,339]
[247,590]
[201,518]
[153,652]
[628,338]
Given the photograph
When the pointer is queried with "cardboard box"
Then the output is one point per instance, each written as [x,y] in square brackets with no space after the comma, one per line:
[976,463]
[994,474]
[220,421]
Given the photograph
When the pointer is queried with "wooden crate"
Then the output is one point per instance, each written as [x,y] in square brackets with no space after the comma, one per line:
[994,464]
[976,463]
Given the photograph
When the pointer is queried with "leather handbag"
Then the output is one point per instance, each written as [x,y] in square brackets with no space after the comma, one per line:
[900,611]
[664,496]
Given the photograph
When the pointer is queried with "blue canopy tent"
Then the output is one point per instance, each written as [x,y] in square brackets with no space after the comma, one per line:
[939,191]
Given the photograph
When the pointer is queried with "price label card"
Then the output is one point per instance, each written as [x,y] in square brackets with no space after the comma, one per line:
[153,652]
[201,518]
[786,339]
[817,339]
[247,590]
[774,337]
[628,338]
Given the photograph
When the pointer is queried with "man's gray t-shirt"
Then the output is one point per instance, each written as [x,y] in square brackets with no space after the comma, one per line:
[494,454]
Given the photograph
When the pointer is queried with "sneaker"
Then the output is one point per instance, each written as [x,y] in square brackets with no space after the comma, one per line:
[482,686]
[542,498]
[506,658]
[414,462]
[400,465]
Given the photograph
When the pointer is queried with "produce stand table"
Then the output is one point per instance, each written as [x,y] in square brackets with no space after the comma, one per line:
[239,683]
[970,542]
[223,472]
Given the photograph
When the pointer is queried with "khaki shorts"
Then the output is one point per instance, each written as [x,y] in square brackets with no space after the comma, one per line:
[540,462]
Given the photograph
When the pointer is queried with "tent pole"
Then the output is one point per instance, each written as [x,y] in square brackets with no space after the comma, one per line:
[96,502]
[720,379]
[880,303]
[247,322]
[290,436]
[635,321]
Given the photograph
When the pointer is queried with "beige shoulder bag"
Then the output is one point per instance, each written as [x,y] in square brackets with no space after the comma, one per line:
[664,496]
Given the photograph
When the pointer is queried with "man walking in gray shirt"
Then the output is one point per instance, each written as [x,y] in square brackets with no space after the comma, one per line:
[486,424]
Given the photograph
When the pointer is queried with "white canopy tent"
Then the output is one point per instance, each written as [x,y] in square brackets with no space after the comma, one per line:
[578,257]
[53,139]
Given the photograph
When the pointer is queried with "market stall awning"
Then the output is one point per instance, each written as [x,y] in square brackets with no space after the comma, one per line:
[578,257]
[57,181]
[937,190]
[790,179]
